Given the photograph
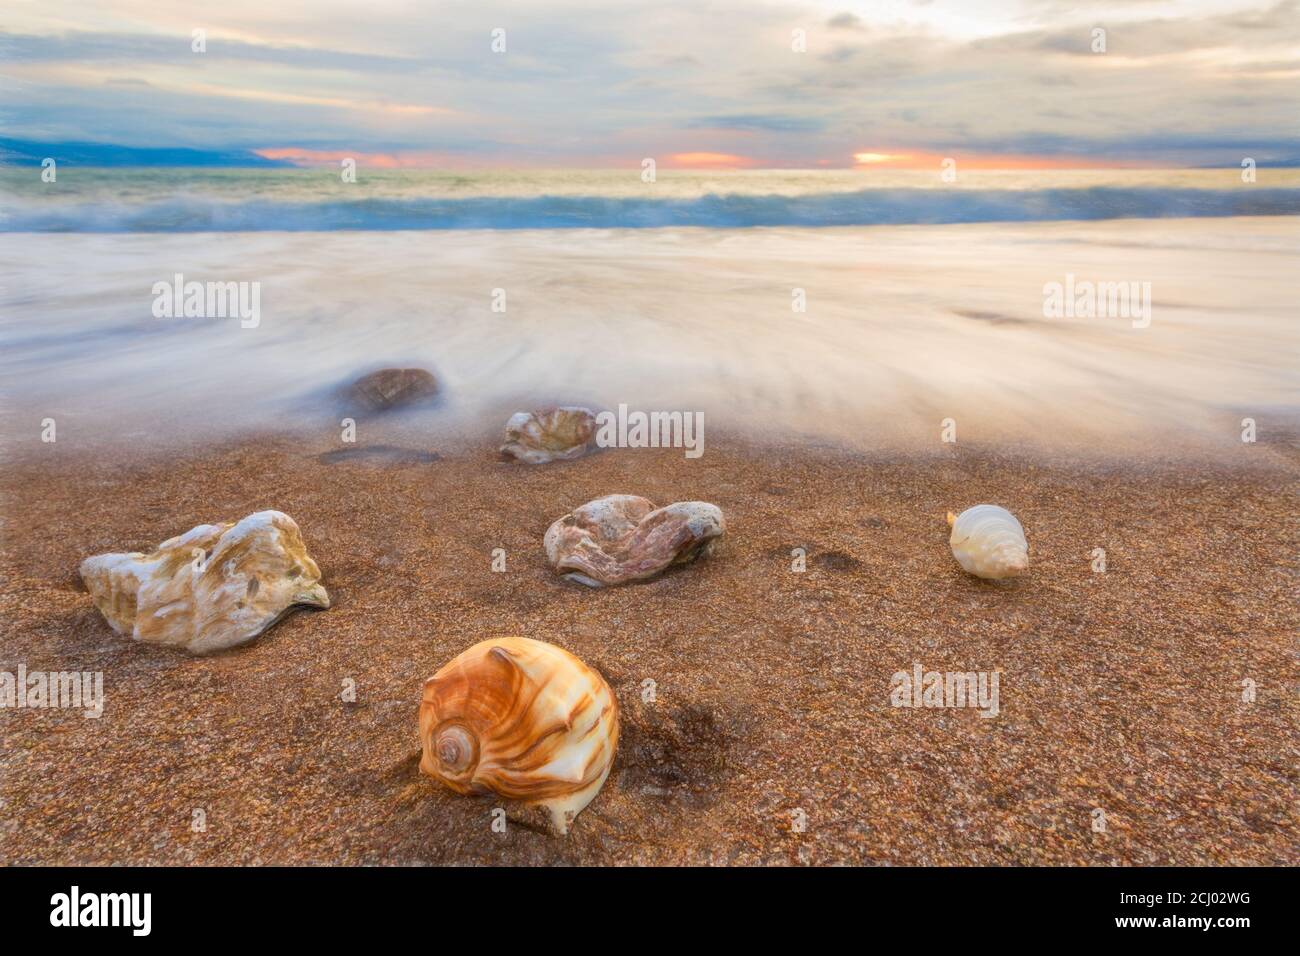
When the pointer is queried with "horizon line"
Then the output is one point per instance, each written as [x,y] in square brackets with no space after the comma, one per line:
[23,152]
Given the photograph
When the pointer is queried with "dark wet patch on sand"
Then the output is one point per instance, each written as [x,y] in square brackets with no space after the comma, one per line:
[379,455]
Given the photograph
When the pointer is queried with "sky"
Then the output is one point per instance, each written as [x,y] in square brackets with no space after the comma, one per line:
[689,83]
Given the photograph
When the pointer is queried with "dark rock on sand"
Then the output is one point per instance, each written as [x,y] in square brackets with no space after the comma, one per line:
[390,388]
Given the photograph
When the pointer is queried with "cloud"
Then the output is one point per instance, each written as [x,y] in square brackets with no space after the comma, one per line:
[581,84]
[756,122]
[845,21]
[91,47]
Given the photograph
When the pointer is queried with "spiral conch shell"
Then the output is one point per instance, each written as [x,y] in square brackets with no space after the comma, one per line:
[988,542]
[621,538]
[208,589]
[523,719]
[551,434]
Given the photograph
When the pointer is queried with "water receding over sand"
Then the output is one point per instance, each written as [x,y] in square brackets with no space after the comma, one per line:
[904,327]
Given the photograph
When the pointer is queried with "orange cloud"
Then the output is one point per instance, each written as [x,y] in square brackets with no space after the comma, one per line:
[710,161]
[323,157]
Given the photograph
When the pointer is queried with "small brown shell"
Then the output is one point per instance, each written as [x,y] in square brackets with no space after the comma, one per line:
[621,538]
[523,719]
[551,434]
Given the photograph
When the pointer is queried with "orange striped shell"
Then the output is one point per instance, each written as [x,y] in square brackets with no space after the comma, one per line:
[523,719]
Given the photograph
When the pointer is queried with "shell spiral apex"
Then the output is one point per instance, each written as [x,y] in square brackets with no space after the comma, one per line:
[523,719]
[989,542]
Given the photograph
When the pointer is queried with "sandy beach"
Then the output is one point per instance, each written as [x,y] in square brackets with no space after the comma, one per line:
[1120,691]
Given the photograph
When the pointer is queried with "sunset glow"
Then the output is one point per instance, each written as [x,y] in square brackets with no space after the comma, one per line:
[323,157]
[871,159]
[710,161]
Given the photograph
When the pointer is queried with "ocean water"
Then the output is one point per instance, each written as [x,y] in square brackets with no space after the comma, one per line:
[838,306]
[226,200]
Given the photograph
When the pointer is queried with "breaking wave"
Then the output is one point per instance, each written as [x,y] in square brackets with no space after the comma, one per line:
[197,213]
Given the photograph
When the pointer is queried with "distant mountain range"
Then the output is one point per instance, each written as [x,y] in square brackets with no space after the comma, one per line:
[22,152]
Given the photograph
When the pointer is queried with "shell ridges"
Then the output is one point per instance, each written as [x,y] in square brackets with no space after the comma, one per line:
[545,726]
[988,542]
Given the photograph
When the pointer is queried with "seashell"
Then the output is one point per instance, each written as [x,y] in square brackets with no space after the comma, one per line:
[988,542]
[213,587]
[621,538]
[390,388]
[550,434]
[523,719]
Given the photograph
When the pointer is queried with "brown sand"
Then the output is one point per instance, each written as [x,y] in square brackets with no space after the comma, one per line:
[1120,691]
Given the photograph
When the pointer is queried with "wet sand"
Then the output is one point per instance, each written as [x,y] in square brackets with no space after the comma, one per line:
[1119,690]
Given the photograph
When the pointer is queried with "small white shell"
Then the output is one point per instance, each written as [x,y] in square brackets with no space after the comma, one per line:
[988,542]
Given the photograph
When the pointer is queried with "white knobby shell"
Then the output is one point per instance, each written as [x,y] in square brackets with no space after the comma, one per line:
[214,587]
[988,542]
